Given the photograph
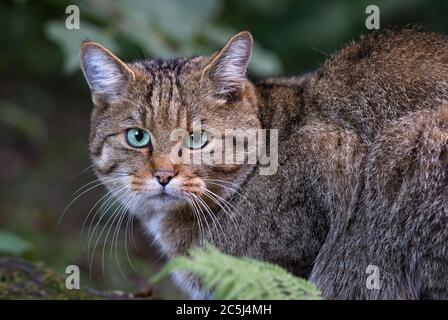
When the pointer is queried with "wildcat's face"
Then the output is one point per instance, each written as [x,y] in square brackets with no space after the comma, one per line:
[145,119]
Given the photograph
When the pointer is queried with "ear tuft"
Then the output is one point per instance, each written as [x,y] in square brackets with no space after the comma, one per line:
[228,68]
[106,75]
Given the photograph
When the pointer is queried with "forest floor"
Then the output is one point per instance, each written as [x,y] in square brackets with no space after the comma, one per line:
[20,279]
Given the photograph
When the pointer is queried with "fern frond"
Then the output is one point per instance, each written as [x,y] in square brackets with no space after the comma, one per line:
[230,277]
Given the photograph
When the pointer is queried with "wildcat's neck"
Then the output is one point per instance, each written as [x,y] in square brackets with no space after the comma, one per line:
[280,100]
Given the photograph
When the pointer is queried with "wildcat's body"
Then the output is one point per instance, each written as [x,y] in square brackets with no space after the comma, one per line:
[362,177]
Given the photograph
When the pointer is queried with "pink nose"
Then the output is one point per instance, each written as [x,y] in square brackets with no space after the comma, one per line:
[163,176]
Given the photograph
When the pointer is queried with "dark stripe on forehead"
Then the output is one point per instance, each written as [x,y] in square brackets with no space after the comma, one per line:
[170,98]
[173,98]
[149,94]
[159,89]
[177,71]
[166,66]
[170,64]
[143,113]
[169,72]
[169,102]
[181,114]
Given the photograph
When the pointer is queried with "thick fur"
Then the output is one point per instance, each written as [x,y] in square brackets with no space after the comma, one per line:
[363,165]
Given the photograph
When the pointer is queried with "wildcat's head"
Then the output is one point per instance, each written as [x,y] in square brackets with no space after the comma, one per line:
[139,105]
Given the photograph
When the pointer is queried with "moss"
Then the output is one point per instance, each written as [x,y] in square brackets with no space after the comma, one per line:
[24,280]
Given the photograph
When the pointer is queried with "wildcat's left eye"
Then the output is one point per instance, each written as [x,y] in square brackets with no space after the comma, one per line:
[196,140]
[137,138]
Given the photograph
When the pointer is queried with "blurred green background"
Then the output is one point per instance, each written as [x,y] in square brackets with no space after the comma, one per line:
[45,103]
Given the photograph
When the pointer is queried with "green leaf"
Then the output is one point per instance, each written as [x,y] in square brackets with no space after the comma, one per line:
[162,29]
[12,244]
[22,120]
[231,277]
[70,40]
[262,63]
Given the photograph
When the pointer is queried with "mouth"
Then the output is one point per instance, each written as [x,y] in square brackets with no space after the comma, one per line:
[165,197]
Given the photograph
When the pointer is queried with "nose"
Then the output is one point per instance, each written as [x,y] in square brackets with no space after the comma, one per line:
[163,176]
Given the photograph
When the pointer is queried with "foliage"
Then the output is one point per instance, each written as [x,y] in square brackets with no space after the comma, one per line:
[240,278]
[12,244]
[23,121]
[160,29]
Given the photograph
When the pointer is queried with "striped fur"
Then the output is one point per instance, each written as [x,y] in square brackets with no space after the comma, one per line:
[363,171]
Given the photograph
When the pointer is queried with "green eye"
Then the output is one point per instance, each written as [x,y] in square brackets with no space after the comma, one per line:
[196,140]
[137,138]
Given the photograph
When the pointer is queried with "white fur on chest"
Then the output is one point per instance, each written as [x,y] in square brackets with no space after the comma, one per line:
[153,227]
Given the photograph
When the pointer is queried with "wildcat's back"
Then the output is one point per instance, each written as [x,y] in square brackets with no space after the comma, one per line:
[380,78]
[390,92]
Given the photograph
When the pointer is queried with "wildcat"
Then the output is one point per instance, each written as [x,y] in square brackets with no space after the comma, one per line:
[362,176]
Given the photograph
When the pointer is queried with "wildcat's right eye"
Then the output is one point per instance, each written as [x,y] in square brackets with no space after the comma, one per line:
[196,140]
[137,138]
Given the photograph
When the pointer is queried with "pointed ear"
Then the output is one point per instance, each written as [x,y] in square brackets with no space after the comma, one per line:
[227,70]
[106,75]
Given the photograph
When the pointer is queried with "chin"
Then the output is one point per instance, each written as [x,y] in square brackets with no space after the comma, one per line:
[167,202]
[162,202]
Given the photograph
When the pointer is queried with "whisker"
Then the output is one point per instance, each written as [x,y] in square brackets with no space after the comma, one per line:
[105,226]
[128,229]
[121,213]
[205,218]
[114,215]
[132,220]
[73,201]
[85,170]
[129,206]
[226,203]
[199,224]
[118,228]
[215,220]
[216,182]
[102,211]
[227,210]
[108,194]
[100,181]
[131,232]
